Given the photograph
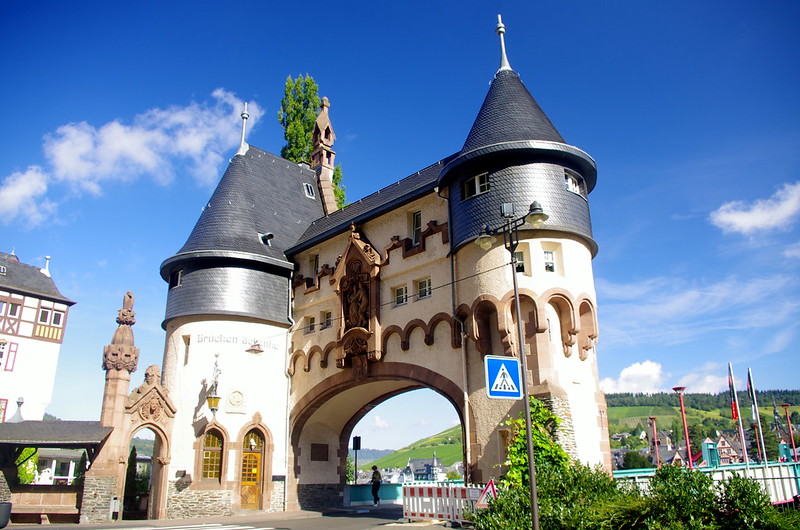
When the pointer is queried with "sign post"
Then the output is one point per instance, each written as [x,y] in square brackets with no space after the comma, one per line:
[503,377]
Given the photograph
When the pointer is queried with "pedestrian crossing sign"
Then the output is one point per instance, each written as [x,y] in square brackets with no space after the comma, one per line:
[503,379]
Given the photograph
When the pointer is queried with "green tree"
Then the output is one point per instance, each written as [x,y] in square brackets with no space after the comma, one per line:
[298,114]
[26,465]
[635,460]
[350,469]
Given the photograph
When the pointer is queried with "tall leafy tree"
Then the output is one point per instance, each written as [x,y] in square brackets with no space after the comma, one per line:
[298,114]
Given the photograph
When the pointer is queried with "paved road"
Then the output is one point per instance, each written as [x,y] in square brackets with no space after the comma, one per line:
[385,518]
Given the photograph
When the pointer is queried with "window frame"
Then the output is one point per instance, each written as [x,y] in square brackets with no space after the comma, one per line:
[206,461]
[45,314]
[60,315]
[14,310]
[415,227]
[308,189]
[475,185]
[325,319]
[400,299]
[549,265]
[426,291]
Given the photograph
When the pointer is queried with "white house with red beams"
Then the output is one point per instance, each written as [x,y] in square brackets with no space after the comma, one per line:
[33,316]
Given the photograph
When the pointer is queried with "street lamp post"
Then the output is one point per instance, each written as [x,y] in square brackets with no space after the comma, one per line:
[791,431]
[535,218]
[212,399]
[679,390]
[655,439]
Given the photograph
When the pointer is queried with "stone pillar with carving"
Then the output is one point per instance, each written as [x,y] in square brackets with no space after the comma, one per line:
[106,477]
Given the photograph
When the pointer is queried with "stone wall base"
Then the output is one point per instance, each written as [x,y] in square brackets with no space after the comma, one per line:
[565,434]
[96,501]
[183,502]
[318,496]
[278,496]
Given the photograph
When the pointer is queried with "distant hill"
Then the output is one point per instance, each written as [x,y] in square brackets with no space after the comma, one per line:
[367,456]
[446,445]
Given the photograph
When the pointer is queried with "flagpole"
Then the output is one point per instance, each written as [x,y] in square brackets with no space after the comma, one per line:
[735,405]
[751,385]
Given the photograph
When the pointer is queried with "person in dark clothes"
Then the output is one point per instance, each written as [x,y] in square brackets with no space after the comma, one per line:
[376,485]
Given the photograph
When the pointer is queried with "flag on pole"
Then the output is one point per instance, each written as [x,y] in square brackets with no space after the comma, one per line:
[732,389]
[751,389]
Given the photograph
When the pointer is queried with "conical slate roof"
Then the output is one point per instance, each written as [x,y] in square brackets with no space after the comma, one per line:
[509,113]
[260,193]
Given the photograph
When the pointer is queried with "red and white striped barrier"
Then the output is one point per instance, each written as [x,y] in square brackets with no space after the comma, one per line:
[439,502]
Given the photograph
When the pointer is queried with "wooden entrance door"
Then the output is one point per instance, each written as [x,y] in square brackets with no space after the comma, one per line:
[252,450]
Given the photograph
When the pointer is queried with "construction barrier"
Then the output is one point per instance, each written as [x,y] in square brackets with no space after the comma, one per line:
[439,502]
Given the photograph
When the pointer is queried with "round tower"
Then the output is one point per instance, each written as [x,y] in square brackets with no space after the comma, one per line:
[513,156]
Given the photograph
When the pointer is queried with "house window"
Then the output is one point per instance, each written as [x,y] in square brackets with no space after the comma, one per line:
[58,318]
[212,455]
[2,270]
[572,182]
[3,407]
[475,186]
[400,295]
[13,310]
[44,316]
[2,307]
[549,261]
[313,267]
[415,226]
[519,257]
[176,279]
[311,324]
[424,288]
[326,319]
[8,355]
[309,189]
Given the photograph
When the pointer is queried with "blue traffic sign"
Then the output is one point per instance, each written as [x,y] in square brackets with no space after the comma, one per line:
[503,379]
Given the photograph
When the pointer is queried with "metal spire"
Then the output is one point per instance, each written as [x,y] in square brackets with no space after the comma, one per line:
[243,145]
[501,30]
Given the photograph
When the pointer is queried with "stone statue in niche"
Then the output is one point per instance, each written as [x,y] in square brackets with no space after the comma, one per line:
[355,296]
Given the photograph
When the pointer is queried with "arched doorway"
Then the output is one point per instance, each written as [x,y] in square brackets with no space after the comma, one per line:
[252,468]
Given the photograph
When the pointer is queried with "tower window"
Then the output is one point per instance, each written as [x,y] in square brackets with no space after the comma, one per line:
[572,182]
[519,266]
[326,319]
[2,270]
[475,186]
[44,316]
[309,189]
[415,226]
[313,267]
[176,279]
[212,455]
[424,288]
[58,318]
[549,261]
[400,295]
[311,324]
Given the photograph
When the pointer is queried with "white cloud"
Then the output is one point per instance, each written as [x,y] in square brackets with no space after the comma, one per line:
[778,211]
[700,383]
[674,310]
[21,195]
[646,377]
[792,251]
[379,422]
[159,144]
[158,140]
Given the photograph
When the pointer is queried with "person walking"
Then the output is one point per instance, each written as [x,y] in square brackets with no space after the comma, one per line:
[376,485]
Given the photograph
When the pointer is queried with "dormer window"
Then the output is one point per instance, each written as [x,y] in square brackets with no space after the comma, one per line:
[2,270]
[309,189]
[475,186]
[176,279]
[266,239]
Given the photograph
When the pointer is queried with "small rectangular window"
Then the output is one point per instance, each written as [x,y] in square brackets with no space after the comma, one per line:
[311,324]
[400,295]
[475,186]
[326,319]
[2,308]
[3,407]
[549,261]
[416,227]
[520,261]
[44,316]
[309,189]
[572,182]
[13,310]
[424,288]
[176,279]
[319,452]
[58,318]
[2,270]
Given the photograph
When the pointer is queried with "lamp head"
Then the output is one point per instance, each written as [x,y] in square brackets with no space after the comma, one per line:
[679,389]
[536,216]
[486,239]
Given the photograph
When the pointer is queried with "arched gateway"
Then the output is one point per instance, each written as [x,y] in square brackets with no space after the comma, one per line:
[300,317]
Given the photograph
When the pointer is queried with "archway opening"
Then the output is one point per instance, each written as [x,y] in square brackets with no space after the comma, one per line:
[143,449]
[413,436]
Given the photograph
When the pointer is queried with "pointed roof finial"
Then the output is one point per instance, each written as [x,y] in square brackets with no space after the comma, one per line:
[243,147]
[501,30]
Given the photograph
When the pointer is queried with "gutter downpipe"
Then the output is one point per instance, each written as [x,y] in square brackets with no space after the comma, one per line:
[462,323]
[289,294]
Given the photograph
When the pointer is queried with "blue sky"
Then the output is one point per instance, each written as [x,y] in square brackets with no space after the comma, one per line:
[118,120]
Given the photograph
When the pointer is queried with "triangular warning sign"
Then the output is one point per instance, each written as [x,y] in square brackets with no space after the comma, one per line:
[503,381]
[483,500]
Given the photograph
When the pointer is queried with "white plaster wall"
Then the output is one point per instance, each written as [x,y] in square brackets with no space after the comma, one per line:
[260,378]
[32,378]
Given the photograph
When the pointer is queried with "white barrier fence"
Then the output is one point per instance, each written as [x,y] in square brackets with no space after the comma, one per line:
[781,481]
[439,501]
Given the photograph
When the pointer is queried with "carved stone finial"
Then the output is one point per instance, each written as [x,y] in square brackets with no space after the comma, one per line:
[122,354]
